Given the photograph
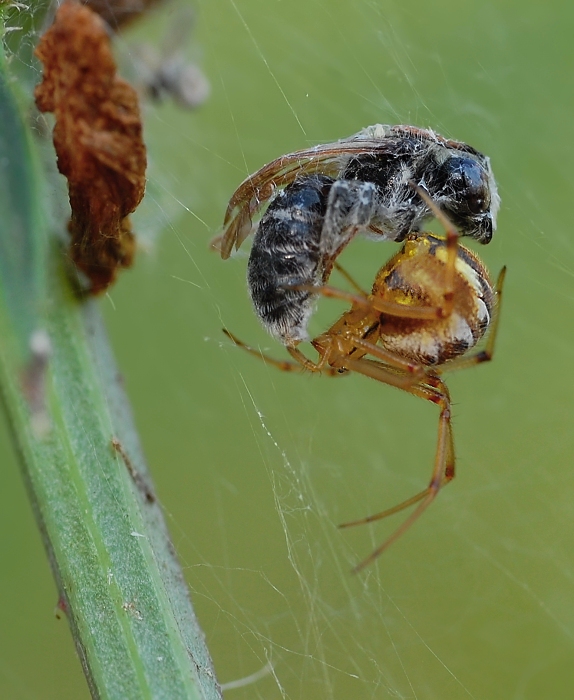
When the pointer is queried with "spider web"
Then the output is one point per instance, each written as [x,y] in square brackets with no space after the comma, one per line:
[256,468]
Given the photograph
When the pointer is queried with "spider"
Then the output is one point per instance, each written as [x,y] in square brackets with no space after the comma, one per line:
[331,192]
[430,304]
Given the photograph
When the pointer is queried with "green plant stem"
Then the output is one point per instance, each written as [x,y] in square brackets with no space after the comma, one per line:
[118,577]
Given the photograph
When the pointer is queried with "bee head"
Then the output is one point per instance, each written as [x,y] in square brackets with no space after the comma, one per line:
[465,190]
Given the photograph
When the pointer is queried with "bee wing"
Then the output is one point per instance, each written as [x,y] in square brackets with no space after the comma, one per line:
[420,134]
[179,33]
[258,188]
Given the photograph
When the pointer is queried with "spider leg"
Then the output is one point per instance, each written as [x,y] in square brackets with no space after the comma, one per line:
[487,353]
[452,237]
[373,303]
[380,371]
[444,464]
[321,366]
[283,365]
[302,363]
[413,369]
[331,292]
[356,286]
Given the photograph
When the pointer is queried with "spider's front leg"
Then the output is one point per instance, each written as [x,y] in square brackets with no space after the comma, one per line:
[301,361]
[486,354]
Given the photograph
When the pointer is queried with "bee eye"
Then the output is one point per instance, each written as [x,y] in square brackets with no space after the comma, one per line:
[477,204]
[468,180]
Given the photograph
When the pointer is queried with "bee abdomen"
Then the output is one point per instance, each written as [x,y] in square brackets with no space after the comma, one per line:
[286,252]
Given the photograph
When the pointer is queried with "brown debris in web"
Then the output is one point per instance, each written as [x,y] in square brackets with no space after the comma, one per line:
[98,140]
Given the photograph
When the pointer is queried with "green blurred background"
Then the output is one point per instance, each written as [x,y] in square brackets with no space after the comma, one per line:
[255,468]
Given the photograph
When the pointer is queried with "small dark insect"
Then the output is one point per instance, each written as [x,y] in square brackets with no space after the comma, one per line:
[430,304]
[167,72]
[320,198]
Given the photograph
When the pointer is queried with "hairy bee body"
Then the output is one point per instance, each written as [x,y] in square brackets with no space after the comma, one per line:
[286,252]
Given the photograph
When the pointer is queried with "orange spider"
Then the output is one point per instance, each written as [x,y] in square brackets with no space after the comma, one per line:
[431,303]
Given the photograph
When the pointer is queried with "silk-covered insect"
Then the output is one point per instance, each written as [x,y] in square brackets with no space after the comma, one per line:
[430,304]
[320,198]
[166,72]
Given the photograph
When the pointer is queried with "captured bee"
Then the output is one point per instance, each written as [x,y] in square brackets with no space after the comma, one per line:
[287,251]
[320,198]
[457,177]
[430,304]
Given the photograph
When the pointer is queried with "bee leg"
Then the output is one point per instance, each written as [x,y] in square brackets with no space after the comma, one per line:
[350,207]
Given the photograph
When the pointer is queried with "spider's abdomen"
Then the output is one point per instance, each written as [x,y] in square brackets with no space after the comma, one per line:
[416,277]
[286,252]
